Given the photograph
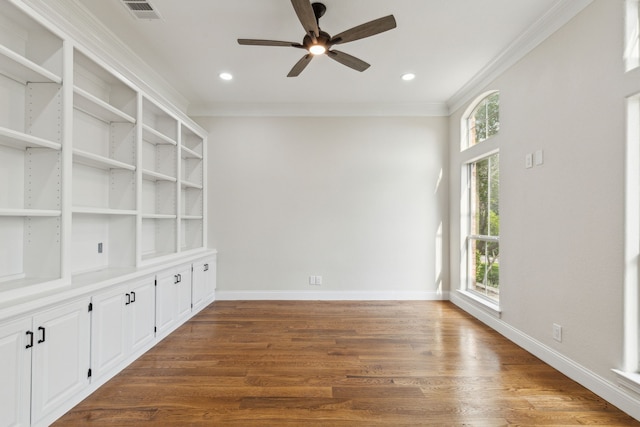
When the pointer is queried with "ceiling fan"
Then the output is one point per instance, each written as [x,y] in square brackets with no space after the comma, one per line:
[318,42]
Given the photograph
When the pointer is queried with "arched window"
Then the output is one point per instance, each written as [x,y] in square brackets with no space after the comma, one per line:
[484,120]
[481,206]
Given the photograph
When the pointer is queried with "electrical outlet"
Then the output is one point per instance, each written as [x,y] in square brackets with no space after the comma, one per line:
[557,332]
[315,280]
[99,248]
[318,280]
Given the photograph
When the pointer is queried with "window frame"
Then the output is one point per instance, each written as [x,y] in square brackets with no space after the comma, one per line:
[465,128]
[470,155]
[469,277]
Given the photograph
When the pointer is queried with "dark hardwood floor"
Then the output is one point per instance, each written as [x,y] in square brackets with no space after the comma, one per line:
[339,364]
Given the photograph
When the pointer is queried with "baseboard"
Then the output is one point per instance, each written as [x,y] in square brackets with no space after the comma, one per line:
[329,296]
[597,384]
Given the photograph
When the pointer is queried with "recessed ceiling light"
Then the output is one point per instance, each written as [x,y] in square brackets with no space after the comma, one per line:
[408,77]
[226,76]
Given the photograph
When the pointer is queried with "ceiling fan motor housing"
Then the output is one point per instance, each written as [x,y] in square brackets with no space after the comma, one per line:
[323,40]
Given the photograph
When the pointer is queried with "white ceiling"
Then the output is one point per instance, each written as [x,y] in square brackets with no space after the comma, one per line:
[446,43]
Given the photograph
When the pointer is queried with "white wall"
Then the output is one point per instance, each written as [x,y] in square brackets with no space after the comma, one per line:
[361,202]
[562,224]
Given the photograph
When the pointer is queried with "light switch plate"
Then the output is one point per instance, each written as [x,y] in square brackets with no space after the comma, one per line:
[528,161]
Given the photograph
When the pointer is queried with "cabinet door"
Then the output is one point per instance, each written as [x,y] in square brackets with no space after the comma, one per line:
[199,283]
[141,314]
[204,281]
[60,359]
[184,291]
[166,301]
[15,372]
[108,346]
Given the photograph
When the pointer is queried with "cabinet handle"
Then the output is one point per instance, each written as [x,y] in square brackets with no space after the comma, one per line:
[206,267]
[30,333]
[133,297]
[128,299]
[40,328]
[175,276]
[179,278]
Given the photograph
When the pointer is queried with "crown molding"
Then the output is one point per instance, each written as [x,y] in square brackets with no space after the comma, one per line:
[557,16]
[73,19]
[323,110]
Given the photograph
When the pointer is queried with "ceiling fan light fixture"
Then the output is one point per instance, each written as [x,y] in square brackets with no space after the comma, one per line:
[317,49]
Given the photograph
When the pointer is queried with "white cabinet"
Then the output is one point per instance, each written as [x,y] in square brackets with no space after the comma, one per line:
[15,371]
[173,298]
[142,315]
[203,282]
[60,364]
[99,183]
[45,359]
[122,325]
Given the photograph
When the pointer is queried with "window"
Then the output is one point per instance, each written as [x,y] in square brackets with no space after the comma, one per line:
[484,120]
[629,371]
[632,35]
[480,219]
[483,240]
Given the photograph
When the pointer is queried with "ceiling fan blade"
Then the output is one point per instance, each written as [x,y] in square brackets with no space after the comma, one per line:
[254,42]
[307,17]
[370,28]
[348,60]
[300,65]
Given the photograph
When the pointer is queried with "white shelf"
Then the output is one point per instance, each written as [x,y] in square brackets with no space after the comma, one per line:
[188,153]
[18,66]
[153,255]
[192,217]
[19,140]
[94,106]
[156,176]
[29,212]
[101,211]
[154,137]
[158,216]
[84,279]
[187,184]
[97,161]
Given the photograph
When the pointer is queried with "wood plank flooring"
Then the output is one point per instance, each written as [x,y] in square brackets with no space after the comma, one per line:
[299,363]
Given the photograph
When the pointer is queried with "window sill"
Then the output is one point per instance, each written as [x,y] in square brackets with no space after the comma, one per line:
[482,303]
[629,381]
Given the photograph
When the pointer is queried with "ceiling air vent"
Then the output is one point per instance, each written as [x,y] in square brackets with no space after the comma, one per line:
[141,9]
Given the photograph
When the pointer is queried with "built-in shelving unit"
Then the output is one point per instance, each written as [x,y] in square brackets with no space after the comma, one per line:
[191,189]
[31,143]
[102,191]
[159,181]
[104,165]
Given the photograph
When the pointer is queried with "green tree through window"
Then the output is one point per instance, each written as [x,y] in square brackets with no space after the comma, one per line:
[484,239]
[484,120]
